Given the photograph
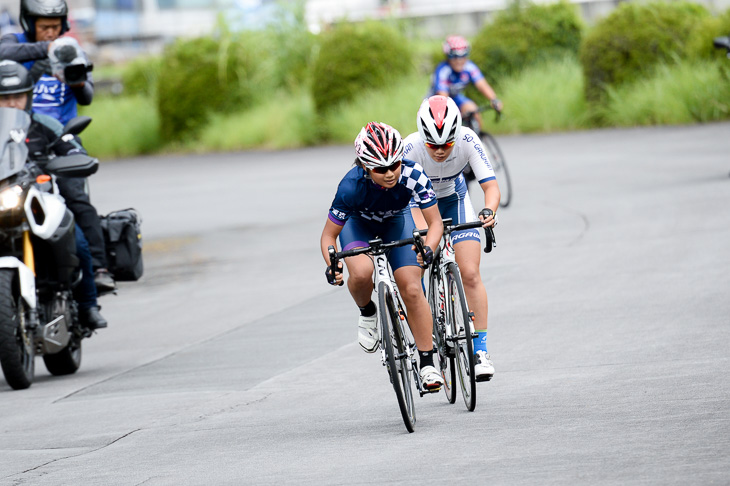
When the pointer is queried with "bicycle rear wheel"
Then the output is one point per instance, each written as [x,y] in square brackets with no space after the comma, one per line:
[444,348]
[394,342]
[499,164]
[461,329]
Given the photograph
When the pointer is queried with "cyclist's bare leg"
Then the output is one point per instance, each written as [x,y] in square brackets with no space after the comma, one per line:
[360,279]
[470,106]
[468,255]
[408,279]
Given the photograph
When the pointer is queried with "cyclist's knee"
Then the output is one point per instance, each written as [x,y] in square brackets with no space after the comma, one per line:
[470,277]
[411,291]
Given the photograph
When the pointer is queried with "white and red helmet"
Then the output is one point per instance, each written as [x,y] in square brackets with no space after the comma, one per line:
[378,145]
[439,120]
[456,46]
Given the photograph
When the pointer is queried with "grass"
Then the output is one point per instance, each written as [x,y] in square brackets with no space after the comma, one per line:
[122,127]
[545,98]
[681,93]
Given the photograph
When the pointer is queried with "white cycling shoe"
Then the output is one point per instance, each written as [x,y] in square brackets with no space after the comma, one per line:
[431,379]
[483,368]
[367,333]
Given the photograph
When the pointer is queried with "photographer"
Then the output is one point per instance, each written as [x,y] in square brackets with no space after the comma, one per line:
[43,23]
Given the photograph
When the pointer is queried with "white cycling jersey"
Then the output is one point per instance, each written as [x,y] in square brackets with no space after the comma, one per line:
[468,150]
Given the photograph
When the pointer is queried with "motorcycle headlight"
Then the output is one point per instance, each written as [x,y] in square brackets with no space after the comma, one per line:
[10,198]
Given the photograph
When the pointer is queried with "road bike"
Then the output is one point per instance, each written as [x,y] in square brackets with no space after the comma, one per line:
[496,158]
[453,327]
[397,346]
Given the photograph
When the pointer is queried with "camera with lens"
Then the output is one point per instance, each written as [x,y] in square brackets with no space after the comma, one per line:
[68,61]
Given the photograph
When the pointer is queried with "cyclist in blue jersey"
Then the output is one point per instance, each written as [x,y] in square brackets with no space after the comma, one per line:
[372,200]
[43,22]
[444,149]
[453,75]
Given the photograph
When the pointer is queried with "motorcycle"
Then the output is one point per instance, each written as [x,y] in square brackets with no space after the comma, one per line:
[39,267]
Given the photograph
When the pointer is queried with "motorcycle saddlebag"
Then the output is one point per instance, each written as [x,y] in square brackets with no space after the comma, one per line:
[123,240]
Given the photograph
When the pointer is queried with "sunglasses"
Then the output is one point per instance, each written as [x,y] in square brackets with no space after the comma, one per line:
[384,170]
[434,146]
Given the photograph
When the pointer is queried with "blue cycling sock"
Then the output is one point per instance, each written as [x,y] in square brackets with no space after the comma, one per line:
[480,342]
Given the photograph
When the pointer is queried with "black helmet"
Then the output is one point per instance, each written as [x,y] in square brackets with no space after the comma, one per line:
[14,78]
[32,9]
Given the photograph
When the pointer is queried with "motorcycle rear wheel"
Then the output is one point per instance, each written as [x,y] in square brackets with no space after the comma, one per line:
[17,354]
[65,362]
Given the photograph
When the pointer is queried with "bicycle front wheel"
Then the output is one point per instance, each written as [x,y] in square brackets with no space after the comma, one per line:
[499,164]
[396,353]
[461,329]
[444,347]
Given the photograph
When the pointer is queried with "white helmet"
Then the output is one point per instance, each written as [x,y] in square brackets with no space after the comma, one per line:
[439,120]
[378,145]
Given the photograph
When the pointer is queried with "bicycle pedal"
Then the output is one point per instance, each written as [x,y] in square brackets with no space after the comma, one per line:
[480,379]
[432,389]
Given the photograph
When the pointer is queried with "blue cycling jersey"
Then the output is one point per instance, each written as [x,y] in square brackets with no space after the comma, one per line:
[50,96]
[448,80]
[358,196]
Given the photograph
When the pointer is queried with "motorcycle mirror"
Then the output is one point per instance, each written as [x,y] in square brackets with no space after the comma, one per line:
[76,125]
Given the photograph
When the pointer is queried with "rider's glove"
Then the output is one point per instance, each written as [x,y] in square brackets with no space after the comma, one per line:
[486,212]
[495,103]
[427,256]
[330,278]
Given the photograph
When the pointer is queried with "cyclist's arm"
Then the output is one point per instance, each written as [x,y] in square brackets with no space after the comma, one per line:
[329,237]
[491,199]
[486,90]
[418,218]
[435,225]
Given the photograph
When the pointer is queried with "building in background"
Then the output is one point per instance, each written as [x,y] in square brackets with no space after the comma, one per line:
[134,26]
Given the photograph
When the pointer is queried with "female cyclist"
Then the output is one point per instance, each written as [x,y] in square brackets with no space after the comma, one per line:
[444,148]
[454,74]
[372,201]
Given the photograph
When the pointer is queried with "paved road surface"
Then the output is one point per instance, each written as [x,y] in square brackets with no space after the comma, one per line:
[232,361]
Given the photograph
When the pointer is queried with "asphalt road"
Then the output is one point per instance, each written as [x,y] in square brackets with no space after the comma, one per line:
[233,362]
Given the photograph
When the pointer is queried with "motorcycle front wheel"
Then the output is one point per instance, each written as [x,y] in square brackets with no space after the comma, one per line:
[17,354]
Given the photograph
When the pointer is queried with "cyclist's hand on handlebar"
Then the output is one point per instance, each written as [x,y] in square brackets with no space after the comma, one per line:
[428,252]
[496,104]
[337,279]
[488,217]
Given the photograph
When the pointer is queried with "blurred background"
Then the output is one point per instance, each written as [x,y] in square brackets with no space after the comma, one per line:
[222,75]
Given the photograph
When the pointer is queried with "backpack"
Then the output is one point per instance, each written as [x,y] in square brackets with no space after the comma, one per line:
[123,241]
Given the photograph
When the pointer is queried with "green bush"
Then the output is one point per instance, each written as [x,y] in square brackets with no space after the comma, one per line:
[521,36]
[700,45]
[203,76]
[634,38]
[353,58]
[139,77]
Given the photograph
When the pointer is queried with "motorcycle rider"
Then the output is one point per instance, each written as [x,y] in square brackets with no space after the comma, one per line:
[16,91]
[43,22]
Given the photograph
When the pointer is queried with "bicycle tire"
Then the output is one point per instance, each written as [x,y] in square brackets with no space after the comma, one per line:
[444,348]
[394,345]
[460,322]
[499,164]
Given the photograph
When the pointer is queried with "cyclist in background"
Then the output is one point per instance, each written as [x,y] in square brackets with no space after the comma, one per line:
[453,75]
[372,201]
[444,148]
